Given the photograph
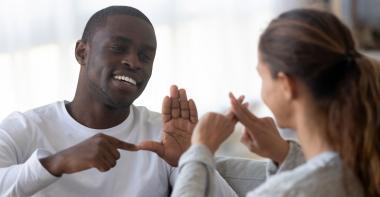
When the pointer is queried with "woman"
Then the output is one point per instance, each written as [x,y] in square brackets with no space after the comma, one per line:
[316,82]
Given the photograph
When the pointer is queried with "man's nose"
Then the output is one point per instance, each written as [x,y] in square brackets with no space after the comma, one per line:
[131,60]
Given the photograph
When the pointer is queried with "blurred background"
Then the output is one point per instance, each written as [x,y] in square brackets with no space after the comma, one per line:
[208,47]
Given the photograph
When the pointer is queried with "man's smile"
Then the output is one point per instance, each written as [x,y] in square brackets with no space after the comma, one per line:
[125,79]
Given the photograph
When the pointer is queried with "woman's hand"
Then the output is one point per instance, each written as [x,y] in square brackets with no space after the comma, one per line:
[212,129]
[260,134]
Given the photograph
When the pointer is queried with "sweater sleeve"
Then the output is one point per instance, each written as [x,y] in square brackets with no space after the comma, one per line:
[197,175]
[21,179]
[294,158]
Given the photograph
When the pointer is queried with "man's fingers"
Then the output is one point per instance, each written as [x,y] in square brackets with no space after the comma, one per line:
[175,110]
[174,91]
[113,151]
[184,104]
[108,160]
[122,145]
[193,111]
[153,146]
[166,109]
[127,146]
[102,165]
[174,97]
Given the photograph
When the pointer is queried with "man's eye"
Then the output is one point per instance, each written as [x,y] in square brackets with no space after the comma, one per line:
[117,48]
[144,57]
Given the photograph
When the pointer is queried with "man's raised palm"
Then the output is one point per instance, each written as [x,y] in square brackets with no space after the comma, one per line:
[179,117]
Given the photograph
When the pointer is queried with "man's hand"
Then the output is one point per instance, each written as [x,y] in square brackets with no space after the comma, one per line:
[179,116]
[260,134]
[99,151]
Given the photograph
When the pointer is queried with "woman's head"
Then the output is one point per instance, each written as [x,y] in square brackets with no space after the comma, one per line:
[312,53]
[311,47]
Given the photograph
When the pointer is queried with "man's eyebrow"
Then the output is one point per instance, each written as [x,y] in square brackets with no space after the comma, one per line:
[123,39]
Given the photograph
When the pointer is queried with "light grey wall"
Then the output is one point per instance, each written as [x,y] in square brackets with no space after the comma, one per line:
[369,12]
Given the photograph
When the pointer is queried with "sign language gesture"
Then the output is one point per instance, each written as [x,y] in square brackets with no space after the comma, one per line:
[260,134]
[100,151]
[179,116]
[214,128]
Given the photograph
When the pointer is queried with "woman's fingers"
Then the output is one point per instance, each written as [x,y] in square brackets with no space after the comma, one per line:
[212,129]
[230,114]
[247,140]
[242,113]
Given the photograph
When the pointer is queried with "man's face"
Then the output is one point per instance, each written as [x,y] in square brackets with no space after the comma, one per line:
[119,60]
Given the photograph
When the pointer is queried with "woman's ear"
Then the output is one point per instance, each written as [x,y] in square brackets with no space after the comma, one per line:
[288,85]
[81,51]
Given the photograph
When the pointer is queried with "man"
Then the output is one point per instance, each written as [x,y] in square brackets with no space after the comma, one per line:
[59,149]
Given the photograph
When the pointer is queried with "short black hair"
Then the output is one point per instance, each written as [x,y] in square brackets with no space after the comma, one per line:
[100,18]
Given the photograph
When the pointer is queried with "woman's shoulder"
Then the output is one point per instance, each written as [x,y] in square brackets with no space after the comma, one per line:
[316,178]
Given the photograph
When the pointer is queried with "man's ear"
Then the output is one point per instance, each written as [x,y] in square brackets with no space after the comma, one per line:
[287,85]
[81,52]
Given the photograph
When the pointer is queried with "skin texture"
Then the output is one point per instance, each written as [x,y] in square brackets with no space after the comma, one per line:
[126,45]
[179,116]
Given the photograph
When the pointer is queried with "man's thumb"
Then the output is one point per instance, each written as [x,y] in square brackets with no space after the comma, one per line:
[152,146]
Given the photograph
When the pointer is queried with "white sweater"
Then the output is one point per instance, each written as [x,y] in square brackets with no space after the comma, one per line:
[26,137]
[320,176]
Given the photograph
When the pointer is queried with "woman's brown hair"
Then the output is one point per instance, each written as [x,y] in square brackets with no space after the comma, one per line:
[317,49]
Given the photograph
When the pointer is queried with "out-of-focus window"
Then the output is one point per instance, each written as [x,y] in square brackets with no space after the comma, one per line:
[208,47]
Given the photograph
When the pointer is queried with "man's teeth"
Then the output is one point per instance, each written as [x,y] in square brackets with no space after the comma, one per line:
[125,78]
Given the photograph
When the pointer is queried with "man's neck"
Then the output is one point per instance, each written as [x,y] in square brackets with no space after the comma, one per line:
[96,115]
